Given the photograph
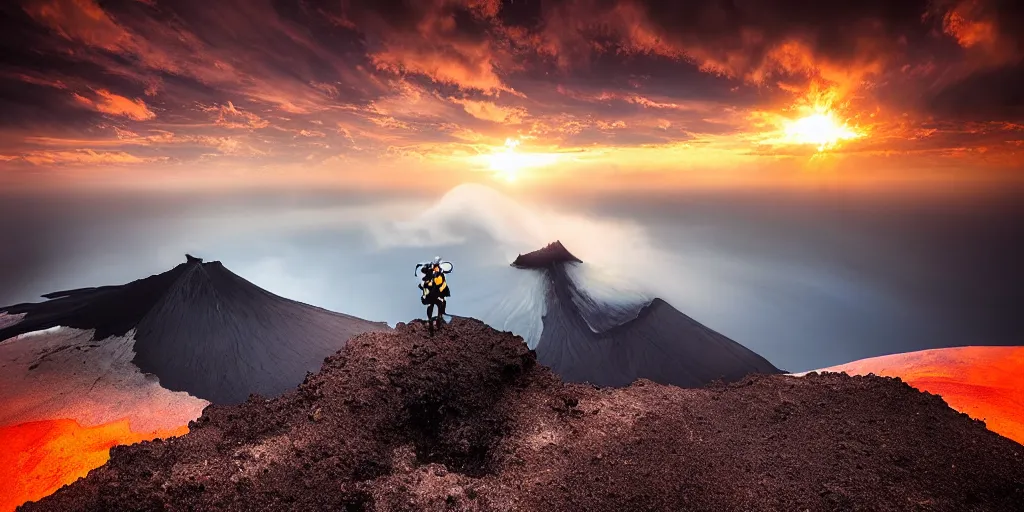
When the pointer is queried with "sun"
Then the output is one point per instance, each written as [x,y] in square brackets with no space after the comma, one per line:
[817,118]
[508,162]
[821,128]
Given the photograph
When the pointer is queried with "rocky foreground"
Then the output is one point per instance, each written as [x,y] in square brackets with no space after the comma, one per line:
[468,421]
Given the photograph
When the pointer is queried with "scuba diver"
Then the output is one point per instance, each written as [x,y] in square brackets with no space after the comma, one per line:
[435,289]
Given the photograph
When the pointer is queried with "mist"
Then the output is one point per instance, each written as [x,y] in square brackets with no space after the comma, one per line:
[806,280]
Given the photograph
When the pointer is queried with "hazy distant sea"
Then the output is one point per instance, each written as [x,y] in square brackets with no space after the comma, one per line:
[807,280]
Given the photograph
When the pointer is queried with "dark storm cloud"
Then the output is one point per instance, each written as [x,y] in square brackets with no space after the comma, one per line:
[40,106]
[994,95]
[243,48]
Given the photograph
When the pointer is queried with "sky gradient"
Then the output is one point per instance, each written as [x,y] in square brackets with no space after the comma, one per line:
[560,94]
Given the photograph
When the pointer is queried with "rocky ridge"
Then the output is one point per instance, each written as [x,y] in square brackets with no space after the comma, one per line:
[467,420]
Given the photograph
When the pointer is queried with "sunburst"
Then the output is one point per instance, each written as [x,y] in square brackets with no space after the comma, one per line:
[509,163]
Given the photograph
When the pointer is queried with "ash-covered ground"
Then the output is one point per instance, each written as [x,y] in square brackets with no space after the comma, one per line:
[467,420]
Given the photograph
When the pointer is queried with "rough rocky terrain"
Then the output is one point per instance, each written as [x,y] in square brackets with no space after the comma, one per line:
[467,420]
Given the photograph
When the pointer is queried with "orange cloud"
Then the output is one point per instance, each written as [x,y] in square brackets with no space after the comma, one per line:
[113,104]
[84,157]
[968,32]
[407,100]
[330,90]
[615,125]
[489,111]
[629,97]
[154,48]
[37,79]
[988,35]
[358,134]
[434,43]
[471,68]
[388,122]
[80,20]
[227,146]
[460,133]
[230,116]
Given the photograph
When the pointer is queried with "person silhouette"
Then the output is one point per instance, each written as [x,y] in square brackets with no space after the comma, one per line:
[435,290]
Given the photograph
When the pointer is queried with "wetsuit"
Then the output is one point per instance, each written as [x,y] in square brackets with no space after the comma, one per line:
[435,291]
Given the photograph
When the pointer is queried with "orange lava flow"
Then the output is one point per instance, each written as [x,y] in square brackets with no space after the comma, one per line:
[986,383]
[40,457]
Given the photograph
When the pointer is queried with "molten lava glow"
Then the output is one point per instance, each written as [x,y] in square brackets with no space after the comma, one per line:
[986,383]
[46,455]
[508,163]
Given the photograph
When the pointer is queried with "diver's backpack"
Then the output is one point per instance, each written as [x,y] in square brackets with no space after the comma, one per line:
[434,284]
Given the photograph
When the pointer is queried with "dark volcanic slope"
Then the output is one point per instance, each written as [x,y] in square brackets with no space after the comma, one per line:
[660,343]
[468,421]
[546,256]
[202,329]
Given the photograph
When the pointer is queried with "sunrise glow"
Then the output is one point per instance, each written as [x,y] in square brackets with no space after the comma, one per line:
[814,120]
[821,129]
[286,106]
[508,162]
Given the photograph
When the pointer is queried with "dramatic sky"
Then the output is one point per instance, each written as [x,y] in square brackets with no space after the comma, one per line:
[833,180]
[588,93]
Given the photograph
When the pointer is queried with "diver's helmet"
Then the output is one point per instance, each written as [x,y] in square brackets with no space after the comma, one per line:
[437,260]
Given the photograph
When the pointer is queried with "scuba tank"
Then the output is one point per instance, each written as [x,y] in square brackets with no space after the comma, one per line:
[437,261]
[432,282]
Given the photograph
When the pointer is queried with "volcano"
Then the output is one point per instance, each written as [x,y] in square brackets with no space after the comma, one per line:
[98,367]
[593,332]
[202,329]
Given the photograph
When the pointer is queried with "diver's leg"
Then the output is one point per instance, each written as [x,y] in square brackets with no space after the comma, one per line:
[430,319]
[440,310]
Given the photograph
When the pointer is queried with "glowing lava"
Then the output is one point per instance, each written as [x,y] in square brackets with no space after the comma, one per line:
[65,399]
[48,454]
[986,383]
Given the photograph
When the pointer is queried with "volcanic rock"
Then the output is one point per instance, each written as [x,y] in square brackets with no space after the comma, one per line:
[467,420]
[546,256]
[202,329]
[611,339]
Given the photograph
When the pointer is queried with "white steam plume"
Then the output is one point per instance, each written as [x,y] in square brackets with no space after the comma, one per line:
[611,250]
